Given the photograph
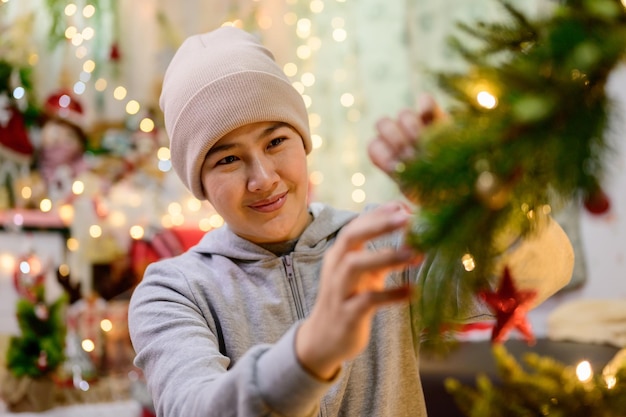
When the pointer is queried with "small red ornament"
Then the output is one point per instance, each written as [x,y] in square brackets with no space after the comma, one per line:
[510,306]
[597,202]
[114,54]
[14,141]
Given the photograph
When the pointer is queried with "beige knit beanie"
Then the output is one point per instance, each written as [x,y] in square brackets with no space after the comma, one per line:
[219,81]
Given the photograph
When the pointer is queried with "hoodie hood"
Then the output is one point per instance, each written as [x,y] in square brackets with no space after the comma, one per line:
[327,221]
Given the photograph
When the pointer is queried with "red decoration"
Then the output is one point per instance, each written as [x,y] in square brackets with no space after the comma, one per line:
[63,105]
[114,54]
[28,277]
[510,306]
[161,244]
[14,141]
[597,202]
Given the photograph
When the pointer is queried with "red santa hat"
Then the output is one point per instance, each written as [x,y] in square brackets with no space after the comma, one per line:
[63,105]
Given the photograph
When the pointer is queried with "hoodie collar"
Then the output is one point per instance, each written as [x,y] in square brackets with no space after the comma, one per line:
[327,221]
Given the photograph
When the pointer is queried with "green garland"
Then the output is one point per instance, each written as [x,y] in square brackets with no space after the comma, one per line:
[486,172]
[548,388]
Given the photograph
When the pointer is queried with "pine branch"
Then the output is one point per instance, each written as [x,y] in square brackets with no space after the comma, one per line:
[490,171]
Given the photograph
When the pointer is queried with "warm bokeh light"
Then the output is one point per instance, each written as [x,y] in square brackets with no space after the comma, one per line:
[66,213]
[26,192]
[70,9]
[88,345]
[106,325]
[290,69]
[132,107]
[89,10]
[120,93]
[468,262]
[45,205]
[7,263]
[77,39]
[100,84]
[347,100]
[308,79]
[137,232]
[164,154]
[146,125]
[584,371]
[316,6]
[72,244]
[64,270]
[340,35]
[174,208]
[205,225]
[304,52]
[216,221]
[78,187]
[487,100]
[317,141]
[88,33]
[358,179]
[95,231]
[70,32]
[358,196]
[193,204]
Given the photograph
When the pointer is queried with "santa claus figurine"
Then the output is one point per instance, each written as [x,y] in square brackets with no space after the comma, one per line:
[63,142]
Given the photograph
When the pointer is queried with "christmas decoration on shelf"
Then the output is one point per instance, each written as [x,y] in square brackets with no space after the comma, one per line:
[548,388]
[525,136]
[35,355]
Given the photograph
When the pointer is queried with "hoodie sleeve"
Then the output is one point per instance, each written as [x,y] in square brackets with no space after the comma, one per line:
[187,375]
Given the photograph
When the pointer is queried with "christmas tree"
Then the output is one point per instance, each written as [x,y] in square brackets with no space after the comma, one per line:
[525,136]
[39,350]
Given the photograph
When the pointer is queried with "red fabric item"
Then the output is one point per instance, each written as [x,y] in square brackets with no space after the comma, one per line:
[147,413]
[164,244]
[14,140]
[188,237]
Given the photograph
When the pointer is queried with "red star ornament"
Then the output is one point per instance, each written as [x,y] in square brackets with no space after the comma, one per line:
[510,306]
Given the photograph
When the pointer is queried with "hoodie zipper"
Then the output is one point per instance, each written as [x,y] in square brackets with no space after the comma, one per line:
[291,278]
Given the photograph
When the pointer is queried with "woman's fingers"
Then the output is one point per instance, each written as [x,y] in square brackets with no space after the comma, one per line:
[378,222]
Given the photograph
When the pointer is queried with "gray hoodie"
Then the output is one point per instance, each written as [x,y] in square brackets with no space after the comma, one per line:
[214,331]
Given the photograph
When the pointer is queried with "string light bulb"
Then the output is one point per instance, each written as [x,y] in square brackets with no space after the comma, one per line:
[486,100]
[584,371]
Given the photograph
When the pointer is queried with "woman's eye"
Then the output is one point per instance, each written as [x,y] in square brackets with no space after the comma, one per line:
[228,160]
[276,142]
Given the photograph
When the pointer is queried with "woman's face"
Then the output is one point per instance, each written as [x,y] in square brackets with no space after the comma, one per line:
[256,179]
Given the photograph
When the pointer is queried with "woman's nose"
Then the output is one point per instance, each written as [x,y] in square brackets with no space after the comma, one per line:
[262,175]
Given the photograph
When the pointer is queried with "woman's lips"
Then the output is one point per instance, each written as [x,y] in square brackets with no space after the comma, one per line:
[270,204]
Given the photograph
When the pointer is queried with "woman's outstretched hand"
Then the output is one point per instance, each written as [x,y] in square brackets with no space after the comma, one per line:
[352,289]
